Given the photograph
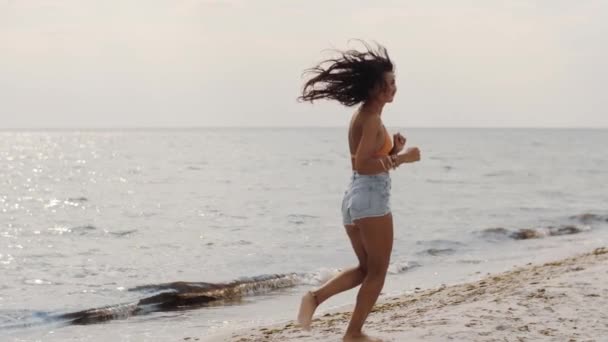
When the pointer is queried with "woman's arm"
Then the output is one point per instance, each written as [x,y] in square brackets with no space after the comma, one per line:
[411,155]
[365,161]
[398,143]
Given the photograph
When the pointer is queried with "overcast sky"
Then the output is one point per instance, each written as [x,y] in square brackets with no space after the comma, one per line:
[128,63]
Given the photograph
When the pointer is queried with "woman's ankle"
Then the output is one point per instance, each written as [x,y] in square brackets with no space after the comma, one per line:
[353,333]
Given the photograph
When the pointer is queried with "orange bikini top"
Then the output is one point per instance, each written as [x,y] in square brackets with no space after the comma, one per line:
[386,148]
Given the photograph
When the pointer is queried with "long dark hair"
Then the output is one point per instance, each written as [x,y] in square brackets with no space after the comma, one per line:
[348,78]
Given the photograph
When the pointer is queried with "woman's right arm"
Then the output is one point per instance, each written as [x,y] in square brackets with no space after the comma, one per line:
[410,155]
[365,161]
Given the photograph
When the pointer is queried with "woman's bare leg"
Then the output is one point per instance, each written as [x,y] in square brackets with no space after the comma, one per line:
[377,238]
[345,280]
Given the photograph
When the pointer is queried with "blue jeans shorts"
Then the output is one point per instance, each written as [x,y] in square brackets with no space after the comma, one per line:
[366,196]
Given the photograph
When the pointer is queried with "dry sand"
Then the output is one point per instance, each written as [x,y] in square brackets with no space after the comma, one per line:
[566,300]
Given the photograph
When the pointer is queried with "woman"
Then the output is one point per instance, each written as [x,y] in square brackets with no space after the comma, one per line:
[366,79]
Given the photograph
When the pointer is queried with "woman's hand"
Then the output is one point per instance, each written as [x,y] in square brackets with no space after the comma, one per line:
[398,143]
[411,155]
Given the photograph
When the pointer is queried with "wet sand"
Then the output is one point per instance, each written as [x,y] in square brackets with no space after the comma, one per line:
[564,300]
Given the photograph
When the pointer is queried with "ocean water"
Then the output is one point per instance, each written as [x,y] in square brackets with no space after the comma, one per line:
[86,217]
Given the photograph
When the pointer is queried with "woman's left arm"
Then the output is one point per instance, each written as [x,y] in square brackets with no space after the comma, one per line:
[398,143]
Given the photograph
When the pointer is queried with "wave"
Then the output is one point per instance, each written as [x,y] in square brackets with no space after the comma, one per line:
[83,230]
[324,274]
[71,202]
[583,223]
[402,266]
[78,199]
[588,218]
[180,296]
[157,298]
[501,173]
[317,278]
[533,233]
[439,247]
[438,251]
[88,230]
[190,295]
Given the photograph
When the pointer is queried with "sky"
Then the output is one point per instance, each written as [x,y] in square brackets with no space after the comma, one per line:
[198,63]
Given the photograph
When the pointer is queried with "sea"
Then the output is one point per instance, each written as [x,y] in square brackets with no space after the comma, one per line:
[186,233]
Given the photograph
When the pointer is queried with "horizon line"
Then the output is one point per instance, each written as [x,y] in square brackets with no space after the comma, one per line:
[198,127]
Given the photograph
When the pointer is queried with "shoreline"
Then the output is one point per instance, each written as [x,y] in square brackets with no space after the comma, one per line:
[560,300]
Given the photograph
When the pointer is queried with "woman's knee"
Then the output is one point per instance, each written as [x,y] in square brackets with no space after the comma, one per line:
[377,269]
[363,269]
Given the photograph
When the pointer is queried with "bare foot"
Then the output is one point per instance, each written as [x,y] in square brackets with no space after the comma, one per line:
[307,309]
[360,338]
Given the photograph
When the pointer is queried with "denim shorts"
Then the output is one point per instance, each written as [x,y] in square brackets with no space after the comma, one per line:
[366,196]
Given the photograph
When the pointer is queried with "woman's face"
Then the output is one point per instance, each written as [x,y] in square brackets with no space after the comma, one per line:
[386,94]
[390,86]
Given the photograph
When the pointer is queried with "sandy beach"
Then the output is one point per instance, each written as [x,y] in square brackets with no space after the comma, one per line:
[564,300]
